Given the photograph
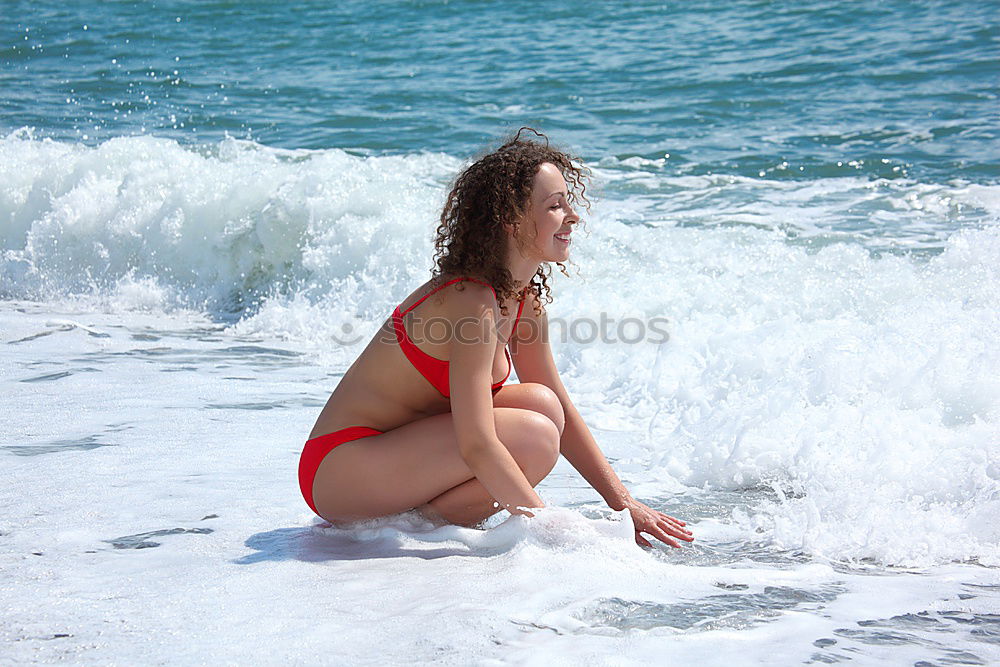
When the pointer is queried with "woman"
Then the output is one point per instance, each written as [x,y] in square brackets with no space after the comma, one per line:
[418,421]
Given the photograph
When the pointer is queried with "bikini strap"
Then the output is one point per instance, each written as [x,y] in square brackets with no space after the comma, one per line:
[520,307]
[439,287]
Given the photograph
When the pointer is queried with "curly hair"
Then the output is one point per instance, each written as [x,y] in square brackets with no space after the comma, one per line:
[488,195]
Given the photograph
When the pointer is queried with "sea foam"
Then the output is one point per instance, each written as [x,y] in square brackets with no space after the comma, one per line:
[850,391]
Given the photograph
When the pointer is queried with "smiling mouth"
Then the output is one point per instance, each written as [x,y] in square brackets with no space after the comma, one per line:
[563,237]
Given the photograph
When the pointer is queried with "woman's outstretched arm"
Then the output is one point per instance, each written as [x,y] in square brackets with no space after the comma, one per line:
[533,361]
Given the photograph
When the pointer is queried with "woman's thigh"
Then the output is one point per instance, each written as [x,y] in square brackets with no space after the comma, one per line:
[414,463]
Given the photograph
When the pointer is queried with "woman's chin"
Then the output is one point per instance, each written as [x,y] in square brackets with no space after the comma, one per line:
[553,254]
[558,254]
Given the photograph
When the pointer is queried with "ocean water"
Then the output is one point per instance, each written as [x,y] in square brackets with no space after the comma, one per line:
[206,208]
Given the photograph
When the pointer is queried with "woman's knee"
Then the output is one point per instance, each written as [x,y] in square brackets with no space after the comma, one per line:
[542,399]
[534,441]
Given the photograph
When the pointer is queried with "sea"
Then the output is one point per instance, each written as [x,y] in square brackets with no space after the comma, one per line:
[207,207]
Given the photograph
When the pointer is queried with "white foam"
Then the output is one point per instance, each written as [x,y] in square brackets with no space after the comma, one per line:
[883,214]
[171,403]
[816,406]
[867,386]
[221,227]
[814,369]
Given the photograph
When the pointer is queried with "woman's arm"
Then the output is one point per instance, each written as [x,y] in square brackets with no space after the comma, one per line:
[533,361]
[473,346]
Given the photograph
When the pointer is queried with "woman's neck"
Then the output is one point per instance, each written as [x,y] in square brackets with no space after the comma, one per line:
[522,269]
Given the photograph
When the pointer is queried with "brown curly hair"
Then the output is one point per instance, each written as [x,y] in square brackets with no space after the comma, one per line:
[488,195]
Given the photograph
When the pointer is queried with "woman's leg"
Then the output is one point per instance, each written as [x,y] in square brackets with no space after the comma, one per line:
[466,503]
[418,465]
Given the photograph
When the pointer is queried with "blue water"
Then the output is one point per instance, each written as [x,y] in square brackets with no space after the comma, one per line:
[798,90]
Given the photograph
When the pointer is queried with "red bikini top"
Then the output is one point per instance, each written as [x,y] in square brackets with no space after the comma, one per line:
[432,368]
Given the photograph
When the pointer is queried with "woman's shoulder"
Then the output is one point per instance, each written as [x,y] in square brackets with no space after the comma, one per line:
[465,294]
[452,293]
[462,283]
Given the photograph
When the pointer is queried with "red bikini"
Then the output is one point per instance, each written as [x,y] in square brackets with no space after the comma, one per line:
[433,369]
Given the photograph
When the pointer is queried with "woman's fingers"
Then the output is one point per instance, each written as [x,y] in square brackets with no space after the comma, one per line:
[685,535]
[659,525]
[677,531]
[670,518]
[661,535]
[674,523]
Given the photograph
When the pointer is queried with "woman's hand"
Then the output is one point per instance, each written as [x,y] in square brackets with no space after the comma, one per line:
[659,525]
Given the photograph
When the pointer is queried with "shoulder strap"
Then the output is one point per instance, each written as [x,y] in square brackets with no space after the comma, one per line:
[520,307]
[440,287]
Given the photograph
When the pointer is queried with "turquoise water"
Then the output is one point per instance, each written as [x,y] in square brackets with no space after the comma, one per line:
[789,90]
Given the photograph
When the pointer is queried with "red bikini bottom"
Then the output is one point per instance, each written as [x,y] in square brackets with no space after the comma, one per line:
[316,450]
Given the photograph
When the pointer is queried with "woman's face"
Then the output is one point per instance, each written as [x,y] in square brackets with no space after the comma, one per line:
[545,230]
